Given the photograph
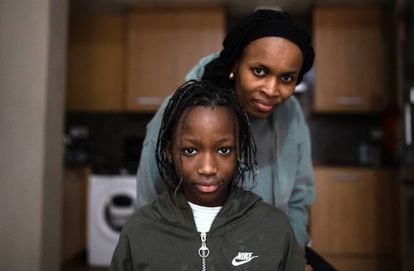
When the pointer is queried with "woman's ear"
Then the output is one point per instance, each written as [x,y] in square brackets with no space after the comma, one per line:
[233,71]
[169,152]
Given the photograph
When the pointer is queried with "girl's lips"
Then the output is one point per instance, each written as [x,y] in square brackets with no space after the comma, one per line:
[207,188]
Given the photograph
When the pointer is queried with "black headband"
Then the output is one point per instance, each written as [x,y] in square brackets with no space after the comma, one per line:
[262,23]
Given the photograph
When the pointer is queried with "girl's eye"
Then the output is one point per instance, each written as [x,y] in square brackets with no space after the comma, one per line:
[225,150]
[189,151]
[259,72]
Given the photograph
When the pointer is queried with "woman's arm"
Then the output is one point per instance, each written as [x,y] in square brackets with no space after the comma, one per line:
[303,191]
[149,181]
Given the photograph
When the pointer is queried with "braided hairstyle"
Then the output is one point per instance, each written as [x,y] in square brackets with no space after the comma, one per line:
[202,93]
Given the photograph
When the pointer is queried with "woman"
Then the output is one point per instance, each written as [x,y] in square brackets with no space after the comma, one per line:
[263,58]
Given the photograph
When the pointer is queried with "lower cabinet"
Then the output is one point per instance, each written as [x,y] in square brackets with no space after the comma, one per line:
[354,220]
[74,211]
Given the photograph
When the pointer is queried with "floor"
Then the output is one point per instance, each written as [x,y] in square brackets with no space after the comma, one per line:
[78,263]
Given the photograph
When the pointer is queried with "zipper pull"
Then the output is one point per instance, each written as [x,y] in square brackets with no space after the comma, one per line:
[203,251]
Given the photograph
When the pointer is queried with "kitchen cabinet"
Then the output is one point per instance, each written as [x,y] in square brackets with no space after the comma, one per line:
[352,72]
[162,46]
[74,215]
[354,220]
[95,63]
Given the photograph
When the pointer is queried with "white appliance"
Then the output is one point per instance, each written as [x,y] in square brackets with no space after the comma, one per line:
[111,200]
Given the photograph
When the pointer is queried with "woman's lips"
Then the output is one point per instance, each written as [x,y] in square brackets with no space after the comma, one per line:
[263,107]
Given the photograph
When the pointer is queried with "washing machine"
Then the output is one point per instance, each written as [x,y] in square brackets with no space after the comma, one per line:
[111,200]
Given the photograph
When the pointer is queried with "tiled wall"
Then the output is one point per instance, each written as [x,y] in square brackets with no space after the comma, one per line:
[113,139]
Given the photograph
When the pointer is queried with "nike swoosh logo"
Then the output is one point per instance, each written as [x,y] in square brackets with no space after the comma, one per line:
[237,262]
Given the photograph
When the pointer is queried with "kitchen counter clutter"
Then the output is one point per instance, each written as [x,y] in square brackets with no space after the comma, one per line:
[354,220]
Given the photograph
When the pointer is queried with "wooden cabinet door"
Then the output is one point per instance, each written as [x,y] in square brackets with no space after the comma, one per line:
[351,65]
[355,212]
[95,70]
[162,46]
[74,215]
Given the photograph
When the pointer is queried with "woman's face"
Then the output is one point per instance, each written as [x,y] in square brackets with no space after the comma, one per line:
[204,155]
[266,74]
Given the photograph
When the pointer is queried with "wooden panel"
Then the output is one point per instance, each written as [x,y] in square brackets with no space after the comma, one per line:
[95,76]
[363,263]
[351,60]
[355,211]
[162,46]
[74,211]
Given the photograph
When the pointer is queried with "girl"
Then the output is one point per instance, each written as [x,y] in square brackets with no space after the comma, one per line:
[205,220]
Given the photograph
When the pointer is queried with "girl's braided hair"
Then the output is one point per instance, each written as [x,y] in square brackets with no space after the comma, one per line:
[202,93]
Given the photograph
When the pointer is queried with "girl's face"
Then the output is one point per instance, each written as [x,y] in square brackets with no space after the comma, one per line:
[266,74]
[204,154]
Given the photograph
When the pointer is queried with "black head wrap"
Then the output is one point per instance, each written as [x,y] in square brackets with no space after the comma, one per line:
[262,23]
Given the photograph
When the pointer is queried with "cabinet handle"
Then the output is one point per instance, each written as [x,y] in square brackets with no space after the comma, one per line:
[352,177]
[349,100]
[149,100]
[407,119]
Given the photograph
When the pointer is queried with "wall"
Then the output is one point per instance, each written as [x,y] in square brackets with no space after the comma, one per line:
[32,49]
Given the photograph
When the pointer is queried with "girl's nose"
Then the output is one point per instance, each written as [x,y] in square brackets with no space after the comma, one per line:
[208,165]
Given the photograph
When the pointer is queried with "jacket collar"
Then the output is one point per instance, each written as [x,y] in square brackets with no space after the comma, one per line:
[175,210]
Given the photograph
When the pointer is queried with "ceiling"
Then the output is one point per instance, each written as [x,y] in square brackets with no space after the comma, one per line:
[234,7]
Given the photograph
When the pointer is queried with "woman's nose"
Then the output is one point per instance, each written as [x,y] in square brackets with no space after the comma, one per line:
[207,165]
[270,87]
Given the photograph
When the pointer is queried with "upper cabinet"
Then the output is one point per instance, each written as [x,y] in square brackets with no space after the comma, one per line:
[162,46]
[131,61]
[95,63]
[351,60]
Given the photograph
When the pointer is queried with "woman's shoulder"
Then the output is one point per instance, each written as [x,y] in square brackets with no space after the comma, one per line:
[289,112]
[154,124]
[198,70]
[290,106]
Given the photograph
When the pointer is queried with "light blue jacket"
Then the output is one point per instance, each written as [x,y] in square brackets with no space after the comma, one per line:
[285,172]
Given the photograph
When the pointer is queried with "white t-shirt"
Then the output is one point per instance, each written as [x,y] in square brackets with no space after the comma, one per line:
[204,216]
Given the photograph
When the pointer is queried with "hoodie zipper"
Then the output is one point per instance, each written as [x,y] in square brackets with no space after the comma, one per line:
[203,251]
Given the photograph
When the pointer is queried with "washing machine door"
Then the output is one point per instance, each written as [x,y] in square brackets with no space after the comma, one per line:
[119,208]
[115,209]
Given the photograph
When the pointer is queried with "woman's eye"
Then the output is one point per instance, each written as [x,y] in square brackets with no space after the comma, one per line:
[189,151]
[225,150]
[287,78]
[259,72]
